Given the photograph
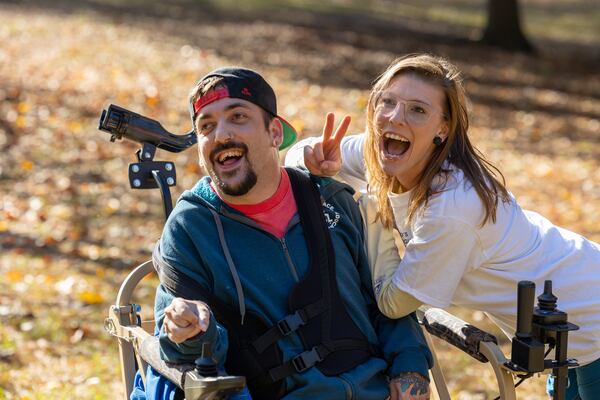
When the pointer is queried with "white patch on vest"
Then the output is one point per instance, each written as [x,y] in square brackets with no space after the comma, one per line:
[377,285]
[331,216]
[405,236]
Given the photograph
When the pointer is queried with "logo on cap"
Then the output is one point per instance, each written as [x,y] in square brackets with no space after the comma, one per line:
[246,92]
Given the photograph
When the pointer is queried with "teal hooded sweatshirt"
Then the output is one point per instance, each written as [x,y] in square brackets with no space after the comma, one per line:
[267,269]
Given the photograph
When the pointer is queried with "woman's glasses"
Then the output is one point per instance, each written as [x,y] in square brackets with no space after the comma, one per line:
[415,112]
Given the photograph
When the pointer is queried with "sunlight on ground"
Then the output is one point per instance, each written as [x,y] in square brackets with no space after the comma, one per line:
[71,229]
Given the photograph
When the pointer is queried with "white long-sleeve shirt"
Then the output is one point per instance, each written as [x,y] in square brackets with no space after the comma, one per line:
[451,259]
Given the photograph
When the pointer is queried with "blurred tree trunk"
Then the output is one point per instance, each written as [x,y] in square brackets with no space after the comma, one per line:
[504,26]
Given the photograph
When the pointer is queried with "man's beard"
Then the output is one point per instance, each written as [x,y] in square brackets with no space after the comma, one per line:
[248,180]
[240,188]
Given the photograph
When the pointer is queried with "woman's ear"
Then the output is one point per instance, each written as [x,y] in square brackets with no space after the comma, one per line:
[276,132]
[443,133]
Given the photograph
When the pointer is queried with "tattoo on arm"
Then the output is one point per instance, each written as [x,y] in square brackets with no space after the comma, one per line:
[420,384]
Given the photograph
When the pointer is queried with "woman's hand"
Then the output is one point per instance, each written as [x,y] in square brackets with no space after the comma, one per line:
[323,157]
[409,386]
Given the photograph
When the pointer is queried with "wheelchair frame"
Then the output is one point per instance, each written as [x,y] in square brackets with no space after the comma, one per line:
[138,347]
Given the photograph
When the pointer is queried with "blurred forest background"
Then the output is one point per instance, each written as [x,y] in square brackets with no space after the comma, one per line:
[71,228]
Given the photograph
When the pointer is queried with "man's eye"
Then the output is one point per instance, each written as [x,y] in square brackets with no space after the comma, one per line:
[239,116]
[206,127]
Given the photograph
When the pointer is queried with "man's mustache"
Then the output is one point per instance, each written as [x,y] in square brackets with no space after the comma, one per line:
[226,146]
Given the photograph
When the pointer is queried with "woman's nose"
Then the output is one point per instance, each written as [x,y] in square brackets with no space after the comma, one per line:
[397,115]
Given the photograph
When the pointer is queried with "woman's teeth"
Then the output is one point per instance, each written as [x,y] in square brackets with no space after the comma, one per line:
[396,137]
[395,145]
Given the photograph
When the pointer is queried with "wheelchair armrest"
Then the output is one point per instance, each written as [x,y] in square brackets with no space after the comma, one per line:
[185,376]
[456,331]
[150,352]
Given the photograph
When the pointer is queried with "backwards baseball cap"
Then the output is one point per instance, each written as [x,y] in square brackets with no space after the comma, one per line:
[245,84]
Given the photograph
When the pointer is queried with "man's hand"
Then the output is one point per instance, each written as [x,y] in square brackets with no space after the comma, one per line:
[323,158]
[185,319]
[409,386]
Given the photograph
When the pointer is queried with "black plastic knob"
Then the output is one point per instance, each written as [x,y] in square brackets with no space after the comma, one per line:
[547,300]
[205,364]
[525,298]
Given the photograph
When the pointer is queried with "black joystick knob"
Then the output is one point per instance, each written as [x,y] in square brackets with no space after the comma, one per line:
[205,364]
[547,301]
[525,295]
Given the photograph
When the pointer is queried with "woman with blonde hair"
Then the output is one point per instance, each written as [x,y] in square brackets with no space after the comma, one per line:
[467,241]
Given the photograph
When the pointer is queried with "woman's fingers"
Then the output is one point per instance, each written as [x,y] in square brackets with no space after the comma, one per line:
[322,157]
[328,128]
[311,163]
[330,168]
[318,152]
[341,130]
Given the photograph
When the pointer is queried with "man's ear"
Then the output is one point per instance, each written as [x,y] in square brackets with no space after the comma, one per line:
[276,132]
[200,159]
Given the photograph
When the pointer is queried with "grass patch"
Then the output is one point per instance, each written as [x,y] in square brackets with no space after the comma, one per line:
[578,21]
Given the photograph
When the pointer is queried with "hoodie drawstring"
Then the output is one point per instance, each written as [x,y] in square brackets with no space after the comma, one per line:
[232,269]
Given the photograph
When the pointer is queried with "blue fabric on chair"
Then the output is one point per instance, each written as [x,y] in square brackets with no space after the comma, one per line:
[157,387]
[160,388]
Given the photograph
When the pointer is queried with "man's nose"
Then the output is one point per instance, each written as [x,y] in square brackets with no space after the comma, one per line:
[222,132]
[398,114]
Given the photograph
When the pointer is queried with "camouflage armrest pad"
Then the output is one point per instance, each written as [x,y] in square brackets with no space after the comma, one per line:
[456,332]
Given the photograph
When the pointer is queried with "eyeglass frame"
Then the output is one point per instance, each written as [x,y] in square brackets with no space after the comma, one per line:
[433,110]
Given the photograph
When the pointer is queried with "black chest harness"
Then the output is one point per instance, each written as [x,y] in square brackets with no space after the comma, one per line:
[332,341]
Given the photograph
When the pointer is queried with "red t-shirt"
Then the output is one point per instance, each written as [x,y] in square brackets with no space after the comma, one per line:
[274,213]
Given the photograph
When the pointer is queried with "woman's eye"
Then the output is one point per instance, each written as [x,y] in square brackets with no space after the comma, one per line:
[388,102]
[417,109]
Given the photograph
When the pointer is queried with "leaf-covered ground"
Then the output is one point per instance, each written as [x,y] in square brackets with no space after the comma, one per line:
[71,229]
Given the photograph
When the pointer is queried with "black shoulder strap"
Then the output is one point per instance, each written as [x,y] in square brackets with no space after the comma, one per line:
[310,209]
[337,343]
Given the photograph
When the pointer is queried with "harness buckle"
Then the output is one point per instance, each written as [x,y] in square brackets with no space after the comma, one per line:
[306,360]
[290,323]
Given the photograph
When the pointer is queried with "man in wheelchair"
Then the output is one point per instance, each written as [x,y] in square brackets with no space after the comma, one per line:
[268,267]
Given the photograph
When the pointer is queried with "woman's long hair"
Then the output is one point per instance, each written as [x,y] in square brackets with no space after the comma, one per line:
[486,179]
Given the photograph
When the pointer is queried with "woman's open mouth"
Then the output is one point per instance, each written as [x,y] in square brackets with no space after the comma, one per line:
[394,146]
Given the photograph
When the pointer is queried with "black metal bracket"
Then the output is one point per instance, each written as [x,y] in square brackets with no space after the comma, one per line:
[149,174]
[141,174]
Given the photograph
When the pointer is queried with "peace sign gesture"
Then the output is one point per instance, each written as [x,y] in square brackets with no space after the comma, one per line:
[323,157]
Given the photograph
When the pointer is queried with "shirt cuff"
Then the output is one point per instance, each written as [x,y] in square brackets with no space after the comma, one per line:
[410,360]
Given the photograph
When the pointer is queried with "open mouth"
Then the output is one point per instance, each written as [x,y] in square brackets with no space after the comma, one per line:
[229,157]
[395,145]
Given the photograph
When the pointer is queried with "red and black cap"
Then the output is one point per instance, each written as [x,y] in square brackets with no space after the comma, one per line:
[245,84]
